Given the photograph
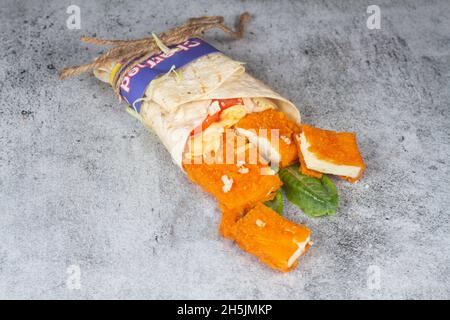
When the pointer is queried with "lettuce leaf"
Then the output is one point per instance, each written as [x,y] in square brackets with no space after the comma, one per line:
[316,197]
[276,203]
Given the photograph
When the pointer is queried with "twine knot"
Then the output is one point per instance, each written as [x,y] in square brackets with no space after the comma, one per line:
[133,52]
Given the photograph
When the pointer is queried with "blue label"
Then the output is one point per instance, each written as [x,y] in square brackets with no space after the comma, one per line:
[136,80]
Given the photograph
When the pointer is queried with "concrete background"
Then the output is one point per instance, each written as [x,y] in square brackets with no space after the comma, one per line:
[82,183]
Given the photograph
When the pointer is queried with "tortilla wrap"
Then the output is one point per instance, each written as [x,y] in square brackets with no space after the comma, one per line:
[174,105]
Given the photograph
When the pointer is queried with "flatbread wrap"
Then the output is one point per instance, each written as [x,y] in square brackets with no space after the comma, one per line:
[176,103]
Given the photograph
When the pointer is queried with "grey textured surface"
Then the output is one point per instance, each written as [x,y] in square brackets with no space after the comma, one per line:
[82,183]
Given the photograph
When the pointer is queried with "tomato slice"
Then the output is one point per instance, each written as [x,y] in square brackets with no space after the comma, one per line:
[210,119]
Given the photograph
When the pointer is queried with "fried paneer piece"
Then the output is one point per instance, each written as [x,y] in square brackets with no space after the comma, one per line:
[238,191]
[274,240]
[332,152]
[273,119]
[237,183]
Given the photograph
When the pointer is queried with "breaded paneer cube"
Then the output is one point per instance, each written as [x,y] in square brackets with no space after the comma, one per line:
[252,124]
[232,189]
[274,240]
[237,183]
[331,152]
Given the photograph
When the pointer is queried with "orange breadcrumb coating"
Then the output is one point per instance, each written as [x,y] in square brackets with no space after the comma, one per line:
[273,119]
[303,168]
[335,147]
[273,239]
[249,186]
[228,221]
[246,190]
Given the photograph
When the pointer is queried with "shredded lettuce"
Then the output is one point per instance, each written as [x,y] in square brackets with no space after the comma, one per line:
[179,76]
[160,44]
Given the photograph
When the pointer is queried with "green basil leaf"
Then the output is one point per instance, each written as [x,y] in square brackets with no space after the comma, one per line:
[276,203]
[316,197]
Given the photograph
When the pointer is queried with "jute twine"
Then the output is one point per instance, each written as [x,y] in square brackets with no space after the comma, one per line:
[132,52]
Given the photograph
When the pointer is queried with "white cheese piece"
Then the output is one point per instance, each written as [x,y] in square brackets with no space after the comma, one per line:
[243,170]
[240,163]
[314,163]
[286,139]
[260,223]
[265,148]
[227,183]
[300,250]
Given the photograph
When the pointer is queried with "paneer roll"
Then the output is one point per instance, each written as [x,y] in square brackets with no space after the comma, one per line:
[230,133]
